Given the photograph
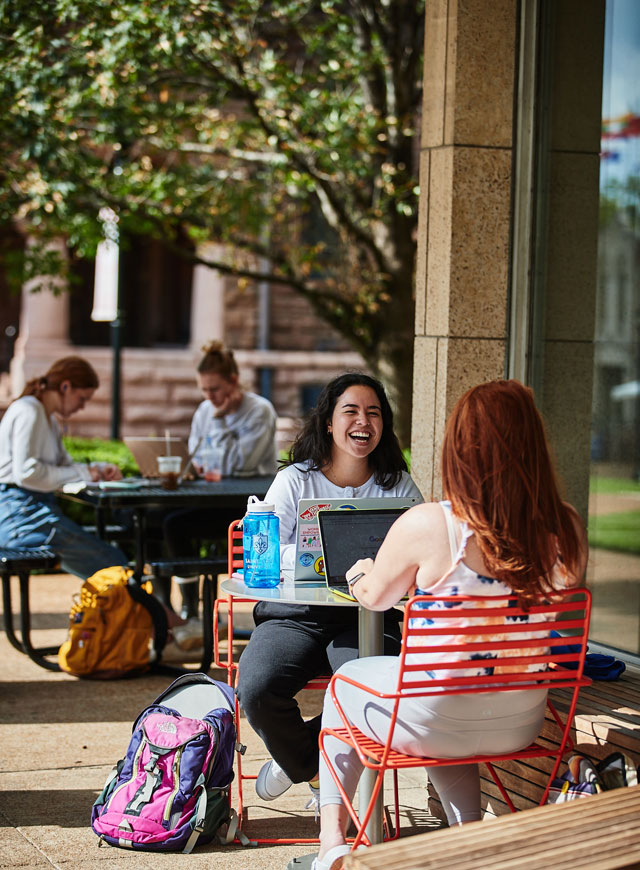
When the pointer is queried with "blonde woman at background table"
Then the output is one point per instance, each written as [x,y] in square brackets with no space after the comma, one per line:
[34,463]
[240,429]
[347,449]
[504,530]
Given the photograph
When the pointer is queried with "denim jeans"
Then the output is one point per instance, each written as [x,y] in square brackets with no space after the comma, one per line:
[33,519]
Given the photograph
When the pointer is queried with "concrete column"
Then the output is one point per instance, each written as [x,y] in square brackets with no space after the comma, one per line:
[44,326]
[207,298]
[464,226]
[467,201]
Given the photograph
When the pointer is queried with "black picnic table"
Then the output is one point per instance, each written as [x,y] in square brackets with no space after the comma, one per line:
[230,493]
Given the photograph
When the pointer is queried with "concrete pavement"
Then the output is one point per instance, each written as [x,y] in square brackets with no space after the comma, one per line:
[60,737]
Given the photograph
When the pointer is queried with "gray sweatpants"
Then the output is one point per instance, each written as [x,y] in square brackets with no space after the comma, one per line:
[441,727]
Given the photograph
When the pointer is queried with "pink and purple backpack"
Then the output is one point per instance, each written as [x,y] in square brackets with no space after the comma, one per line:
[170,791]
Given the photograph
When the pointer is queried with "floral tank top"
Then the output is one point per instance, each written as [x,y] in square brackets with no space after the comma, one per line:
[461,580]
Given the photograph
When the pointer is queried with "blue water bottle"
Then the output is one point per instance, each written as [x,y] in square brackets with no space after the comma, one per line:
[261,544]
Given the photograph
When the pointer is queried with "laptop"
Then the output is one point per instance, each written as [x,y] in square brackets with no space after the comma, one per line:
[347,537]
[309,563]
[146,451]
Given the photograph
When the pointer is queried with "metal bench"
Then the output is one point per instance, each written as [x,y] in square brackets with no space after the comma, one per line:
[20,563]
[208,569]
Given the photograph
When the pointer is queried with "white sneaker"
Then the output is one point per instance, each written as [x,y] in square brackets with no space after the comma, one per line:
[272,781]
[189,635]
[172,653]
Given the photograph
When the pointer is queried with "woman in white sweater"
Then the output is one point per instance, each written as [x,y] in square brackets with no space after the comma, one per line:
[34,463]
[347,449]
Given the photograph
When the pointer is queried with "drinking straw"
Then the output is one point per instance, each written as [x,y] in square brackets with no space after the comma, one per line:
[167,439]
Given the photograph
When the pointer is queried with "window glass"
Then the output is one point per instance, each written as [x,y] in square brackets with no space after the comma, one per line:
[614,500]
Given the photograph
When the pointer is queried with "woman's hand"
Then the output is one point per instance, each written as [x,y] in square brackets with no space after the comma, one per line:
[362,566]
[105,471]
[111,472]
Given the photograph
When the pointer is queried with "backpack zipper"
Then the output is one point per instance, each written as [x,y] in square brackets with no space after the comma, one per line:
[176,785]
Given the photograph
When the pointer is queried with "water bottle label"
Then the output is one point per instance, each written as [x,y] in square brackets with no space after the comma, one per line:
[260,543]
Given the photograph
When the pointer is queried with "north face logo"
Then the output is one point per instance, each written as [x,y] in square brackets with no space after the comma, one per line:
[167,727]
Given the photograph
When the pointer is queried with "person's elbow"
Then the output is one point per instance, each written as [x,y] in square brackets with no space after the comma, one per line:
[30,475]
[373,597]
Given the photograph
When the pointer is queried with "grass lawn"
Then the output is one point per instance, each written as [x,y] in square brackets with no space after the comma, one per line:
[613,484]
[616,532]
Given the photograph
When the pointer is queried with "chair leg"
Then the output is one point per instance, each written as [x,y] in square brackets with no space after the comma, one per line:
[239,778]
[360,826]
[502,789]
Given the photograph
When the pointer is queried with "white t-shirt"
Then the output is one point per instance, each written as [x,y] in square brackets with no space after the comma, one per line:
[296,481]
[246,439]
[31,451]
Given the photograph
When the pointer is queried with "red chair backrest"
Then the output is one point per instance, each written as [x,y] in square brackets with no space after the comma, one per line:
[235,551]
[496,639]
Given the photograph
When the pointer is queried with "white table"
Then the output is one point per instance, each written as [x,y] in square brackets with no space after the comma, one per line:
[370,643]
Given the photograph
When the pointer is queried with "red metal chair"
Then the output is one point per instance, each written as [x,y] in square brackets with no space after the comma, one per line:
[515,648]
[236,563]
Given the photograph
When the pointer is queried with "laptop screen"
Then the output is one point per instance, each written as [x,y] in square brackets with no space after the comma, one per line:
[309,560]
[351,535]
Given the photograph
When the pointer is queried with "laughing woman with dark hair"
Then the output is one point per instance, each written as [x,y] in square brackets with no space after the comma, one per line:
[347,449]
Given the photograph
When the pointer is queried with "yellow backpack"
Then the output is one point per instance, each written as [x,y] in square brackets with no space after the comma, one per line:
[113,626]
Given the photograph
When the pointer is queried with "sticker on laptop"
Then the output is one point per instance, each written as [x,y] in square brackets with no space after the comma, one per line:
[312,510]
[305,560]
[319,566]
[309,536]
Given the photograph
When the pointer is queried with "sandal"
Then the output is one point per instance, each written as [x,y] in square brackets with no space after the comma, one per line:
[331,860]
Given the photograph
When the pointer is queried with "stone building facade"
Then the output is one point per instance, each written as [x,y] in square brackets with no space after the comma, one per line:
[283,349]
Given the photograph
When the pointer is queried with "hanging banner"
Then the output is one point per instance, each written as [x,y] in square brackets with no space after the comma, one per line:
[105,289]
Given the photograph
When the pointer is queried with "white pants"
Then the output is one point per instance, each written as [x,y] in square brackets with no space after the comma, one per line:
[451,726]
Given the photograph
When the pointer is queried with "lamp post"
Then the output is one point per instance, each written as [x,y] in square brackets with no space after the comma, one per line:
[105,303]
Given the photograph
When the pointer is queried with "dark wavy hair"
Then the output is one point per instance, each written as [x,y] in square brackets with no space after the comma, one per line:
[314,443]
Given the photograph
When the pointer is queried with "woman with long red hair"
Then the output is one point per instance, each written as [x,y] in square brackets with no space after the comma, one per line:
[503,529]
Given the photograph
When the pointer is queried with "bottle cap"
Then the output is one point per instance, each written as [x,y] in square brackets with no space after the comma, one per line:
[255,506]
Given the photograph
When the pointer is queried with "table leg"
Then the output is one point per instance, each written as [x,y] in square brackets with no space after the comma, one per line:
[101,522]
[371,643]
[139,533]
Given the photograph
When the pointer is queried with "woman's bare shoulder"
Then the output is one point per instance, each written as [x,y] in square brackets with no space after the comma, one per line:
[423,519]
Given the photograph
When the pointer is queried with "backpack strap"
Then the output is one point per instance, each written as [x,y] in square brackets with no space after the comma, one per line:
[157,612]
[200,812]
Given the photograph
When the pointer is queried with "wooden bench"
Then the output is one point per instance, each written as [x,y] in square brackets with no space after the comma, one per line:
[20,563]
[601,832]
